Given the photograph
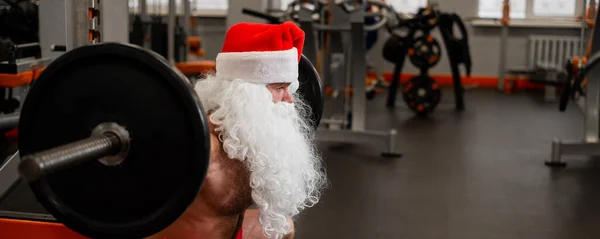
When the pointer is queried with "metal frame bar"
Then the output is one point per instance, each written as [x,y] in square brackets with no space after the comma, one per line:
[589,146]
[25,65]
[40,217]
[171,32]
[187,27]
[583,27]
[9,175]
[81,23]
[9,121]
[354,72]
[310,44]
[503,52]
[145,18]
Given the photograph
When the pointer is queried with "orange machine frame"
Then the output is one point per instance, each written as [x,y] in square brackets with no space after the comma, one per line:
[25,229]
[196,67]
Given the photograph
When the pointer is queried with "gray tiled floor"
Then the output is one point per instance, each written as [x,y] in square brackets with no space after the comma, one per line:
[477,174]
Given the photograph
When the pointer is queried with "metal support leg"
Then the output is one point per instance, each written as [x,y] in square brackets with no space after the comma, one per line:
[187,10]
[9,175]
[357,72]
[391,153]
[503,52]
[310,45]
[556,155]
[145,18]
[589,145]
[574,148]
[171,32]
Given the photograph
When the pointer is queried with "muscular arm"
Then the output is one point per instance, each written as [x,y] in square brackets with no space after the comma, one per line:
[205,217]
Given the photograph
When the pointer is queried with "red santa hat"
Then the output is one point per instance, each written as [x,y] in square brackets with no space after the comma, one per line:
[261,53]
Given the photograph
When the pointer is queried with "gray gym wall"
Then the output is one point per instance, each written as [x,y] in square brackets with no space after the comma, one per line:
[485,41]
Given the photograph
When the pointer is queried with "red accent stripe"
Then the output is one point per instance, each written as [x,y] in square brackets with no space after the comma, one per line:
[510,83]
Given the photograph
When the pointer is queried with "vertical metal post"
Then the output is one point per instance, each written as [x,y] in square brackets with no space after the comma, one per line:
[503,43]
[113,13]
[359,70]
[336,64]
[95,22]
[171,32]
[592,98]
[583,28]
[392,141]
[143,10]
[310,45]
[145,19]
[9,175]
[593,16]
[81,23]
[187,27]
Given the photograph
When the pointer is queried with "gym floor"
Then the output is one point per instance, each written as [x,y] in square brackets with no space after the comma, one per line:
[477,174]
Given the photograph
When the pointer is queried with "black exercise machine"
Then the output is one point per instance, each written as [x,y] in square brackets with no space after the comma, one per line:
[422,93]
[158,30]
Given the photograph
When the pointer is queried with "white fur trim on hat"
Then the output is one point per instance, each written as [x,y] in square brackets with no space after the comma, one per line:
[261,67]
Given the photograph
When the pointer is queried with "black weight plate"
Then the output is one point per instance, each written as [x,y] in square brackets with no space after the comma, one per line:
[169,152]
[422,94]
[311,89]
[394,49]
[427,19]
[567,87]
[425,52]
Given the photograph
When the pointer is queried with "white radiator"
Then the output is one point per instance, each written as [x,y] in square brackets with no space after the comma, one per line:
[551,52]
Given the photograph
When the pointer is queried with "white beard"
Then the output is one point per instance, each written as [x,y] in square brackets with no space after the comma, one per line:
[275,141]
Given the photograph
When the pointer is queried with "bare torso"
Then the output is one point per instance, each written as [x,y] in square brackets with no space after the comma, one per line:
[204,218]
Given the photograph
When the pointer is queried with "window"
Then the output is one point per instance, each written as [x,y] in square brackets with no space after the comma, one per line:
[285,3]
[554,8]
[198,7]
[209,5]
[522,9]
[407,6]
[134,6]
[493,9]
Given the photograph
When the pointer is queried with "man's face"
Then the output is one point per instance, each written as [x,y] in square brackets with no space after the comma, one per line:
[281,92]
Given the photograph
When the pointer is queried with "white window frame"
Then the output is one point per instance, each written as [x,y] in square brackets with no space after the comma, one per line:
[404,11]
[529,11]
[531,20]
[499,11]
[283,4]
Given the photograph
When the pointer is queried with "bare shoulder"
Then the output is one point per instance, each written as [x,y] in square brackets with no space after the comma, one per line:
[252,228]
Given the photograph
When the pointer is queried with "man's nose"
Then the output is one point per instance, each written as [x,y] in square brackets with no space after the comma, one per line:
[287,97]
